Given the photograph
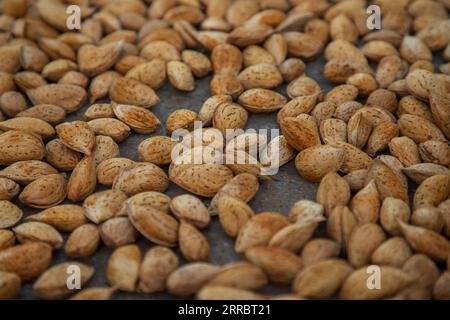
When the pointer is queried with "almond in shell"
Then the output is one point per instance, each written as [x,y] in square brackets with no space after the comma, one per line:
[141,177]
[366,204]
[392,211]
[300,132]
[233,214]
[83,241]
[103,205]
[49,113]
[122,270]
[190,209]
[64,218]
[25,172]
[139,119]
[8,189]
[19,146]
[319,250]
[38,231]
[392,281]
[60,156]
[425,241]
[52,284]
[180,76]
[94,60]
[261,100]
[67,96]
[10,214]
[108,169]
[259,229]
[242,275]
[157,265]
[432,191]
[27,260]
[314,163]
[10,285]
[393,252]
[154,224]
[117,231]
[130,91]
[266,76]
[280,265]
[322,279]
[193,244]
[45,192]
[333,191]
[151,199]
[188,279]
[77,135]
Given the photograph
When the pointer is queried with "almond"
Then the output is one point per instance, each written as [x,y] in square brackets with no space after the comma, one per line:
[355,286]
[52,284]
[38,231]
[19,146]
[392,211]
[60,156]
[108,169]
[77,135]
[330,159]
[432,191]
[193,244]
[139,119]
[201,179]
[10,214]
[64,218]
[241,275]
[118,231]
[188,279]
[82,181]
[157,265]
[233,214]
[94,60]
[419,172]
[122,270]
[280,265]
[151,199]
[259,229]
[300,132]
[10,285]
[113,128]
[366,204]
[27,260]
[317,250]
[154,224]
[95,293]
[261,100]
[130,91]
[8,189]
[180,76]
[190,209]
[67,96]
[141,177]
[45,192]
[322,279]
[266,76]
[46,112]
[82,242]
[103,205]
[426,241]
[25,172]
[393,252]
[333,191]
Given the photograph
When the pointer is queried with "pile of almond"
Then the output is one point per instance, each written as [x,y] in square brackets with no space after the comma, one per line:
[383,129]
